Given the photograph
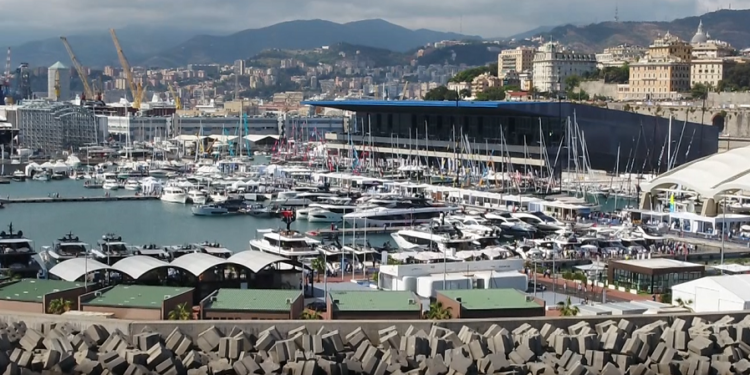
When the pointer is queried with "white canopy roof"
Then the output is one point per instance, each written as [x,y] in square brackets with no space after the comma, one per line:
[258,260]
[258,137]
[74,269]
[223,138]
[187,138]
[138,265]
[709,176]
[197,263]
[715,293]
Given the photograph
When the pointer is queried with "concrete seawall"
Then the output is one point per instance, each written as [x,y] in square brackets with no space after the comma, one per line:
[370,327]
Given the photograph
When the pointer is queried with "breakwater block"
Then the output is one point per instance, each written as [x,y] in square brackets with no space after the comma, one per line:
[614,347]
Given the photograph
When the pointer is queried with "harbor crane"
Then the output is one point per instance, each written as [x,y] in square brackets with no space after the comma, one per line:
[87,91]
[177,103]
[6,90]
[136,92]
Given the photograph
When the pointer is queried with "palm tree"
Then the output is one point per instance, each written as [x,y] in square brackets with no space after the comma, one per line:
[59,306]
[310,314]
[319,266]
[685,304]
[180,312]
[438,312]
[567,308]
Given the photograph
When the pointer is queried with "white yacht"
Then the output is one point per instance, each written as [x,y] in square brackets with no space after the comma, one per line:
[18,176]
[111,249]
[41,176]
[299,199]
[173,194]
[208,210]
[541,221]
[215,249]
[67,247]
[511,225]
[380,216]
[328,213]
[132,185]
[474,225]
[110,185]
[287,243]
[197,196]
[423,239]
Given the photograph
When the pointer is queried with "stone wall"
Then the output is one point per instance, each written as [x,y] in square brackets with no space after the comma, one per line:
[600,88]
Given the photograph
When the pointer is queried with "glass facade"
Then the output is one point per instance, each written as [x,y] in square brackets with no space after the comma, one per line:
[517,129]
[656,284]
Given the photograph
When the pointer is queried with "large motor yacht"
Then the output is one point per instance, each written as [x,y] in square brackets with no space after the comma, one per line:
[197,197]
[380,216]
[299,199]
[17,254]
[67,247]
[541,221]
[173,194]
[287,243]
[111,249]
[209,210]
[511,225]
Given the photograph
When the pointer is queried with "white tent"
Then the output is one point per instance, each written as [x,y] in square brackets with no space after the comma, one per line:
[714,294]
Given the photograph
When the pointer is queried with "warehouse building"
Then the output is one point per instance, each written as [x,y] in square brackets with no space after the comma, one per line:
[253,304]
[490,303]
[136,302]
[364,305]
[52,127]
[34,296]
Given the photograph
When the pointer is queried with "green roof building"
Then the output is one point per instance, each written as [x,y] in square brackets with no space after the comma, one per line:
[252,304]
[376,304]
[490,303]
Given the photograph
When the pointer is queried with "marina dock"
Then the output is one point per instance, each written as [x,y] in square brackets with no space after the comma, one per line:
[349,231]
[79,199]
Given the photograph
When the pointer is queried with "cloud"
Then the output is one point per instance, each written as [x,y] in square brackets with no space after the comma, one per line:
[488,18]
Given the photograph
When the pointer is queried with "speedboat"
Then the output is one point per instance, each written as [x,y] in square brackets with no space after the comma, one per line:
[110,185]
[18,176]
[173,194]
[209,210]
[93,184]
[132,185]
[42,176]
[259,210]
[511,225]
[154,251]
[328,213]
[196,197]
[544,223]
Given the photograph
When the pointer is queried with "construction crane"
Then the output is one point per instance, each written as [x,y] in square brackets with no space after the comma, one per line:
[57,84]
[176,98]
[87,91]
[6,90]
[126,69]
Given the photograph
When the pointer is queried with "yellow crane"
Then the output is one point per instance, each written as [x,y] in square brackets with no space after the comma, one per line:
[79,68]
[177,103]
[57,84]
[128,73]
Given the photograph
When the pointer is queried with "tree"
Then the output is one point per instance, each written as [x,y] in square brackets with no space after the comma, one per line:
[737,78]
[310,314]
[685,304]
[438,312]
[567,308]
[491,93]
[59,306]
[572,82]
[469,74]
[319,266]
[180,312]
[465,93]
[699,91]
[441,93]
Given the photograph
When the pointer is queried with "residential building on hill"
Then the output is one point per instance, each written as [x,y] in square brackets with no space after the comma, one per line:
[663,74]
[553,64]
[483,82]
[712,59]
[515,60]
[619,56]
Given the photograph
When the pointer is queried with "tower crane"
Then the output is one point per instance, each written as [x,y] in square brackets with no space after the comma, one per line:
[128,73]
[177,103]
[57,84]
[87,91]
[6,90]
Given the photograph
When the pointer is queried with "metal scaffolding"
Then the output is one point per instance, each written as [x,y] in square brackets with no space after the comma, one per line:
[50,128]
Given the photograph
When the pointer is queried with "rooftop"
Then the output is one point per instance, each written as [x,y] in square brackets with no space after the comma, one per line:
[374,301]
[137,296]
[655,263]
[416,103]
[253,299]
[490,299]
[33,290]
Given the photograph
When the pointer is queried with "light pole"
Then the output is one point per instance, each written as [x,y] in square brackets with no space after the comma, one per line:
[723,230]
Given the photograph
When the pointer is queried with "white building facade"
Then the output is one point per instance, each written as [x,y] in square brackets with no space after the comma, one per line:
[58,73]
[553,64]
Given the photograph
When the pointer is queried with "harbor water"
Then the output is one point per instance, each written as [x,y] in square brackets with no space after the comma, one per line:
[137,222]
[146,222]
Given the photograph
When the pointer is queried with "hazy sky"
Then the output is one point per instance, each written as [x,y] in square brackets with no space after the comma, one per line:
[489,18]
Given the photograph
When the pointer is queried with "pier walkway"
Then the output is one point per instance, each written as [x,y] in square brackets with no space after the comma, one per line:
[80,199]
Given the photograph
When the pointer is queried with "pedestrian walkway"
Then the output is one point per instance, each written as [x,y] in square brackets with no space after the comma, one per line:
[593,293]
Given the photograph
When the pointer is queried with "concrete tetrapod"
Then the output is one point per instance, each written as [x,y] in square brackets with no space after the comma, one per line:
[668,346]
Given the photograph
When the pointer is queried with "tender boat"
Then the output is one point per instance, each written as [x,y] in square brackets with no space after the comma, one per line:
[93,184]
[18,176]
[259,210]
[110,185]
[17,255]
[132,185]
[209,210]
[42,176]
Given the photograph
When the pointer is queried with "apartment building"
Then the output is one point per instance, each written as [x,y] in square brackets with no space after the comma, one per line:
[712,59]
[515,60]
[619,56]
[483,82]
[663,74]
[553,64]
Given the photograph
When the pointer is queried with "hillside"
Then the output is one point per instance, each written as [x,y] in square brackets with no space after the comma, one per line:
[371,56]
[727,25]
[297,35]
[469,54]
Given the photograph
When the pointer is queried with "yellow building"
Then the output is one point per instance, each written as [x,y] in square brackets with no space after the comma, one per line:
[663,74]
[483,82]
[711,59]
[515,60]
